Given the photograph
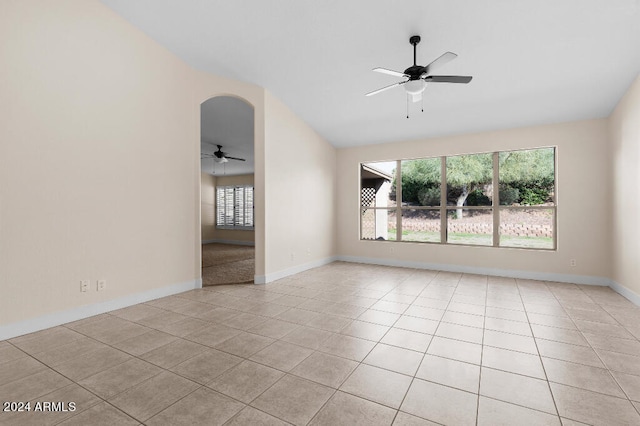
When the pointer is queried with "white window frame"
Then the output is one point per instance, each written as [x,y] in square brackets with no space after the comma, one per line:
[234,207]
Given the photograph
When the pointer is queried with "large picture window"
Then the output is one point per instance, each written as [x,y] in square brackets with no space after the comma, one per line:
[234,207]
[499,199]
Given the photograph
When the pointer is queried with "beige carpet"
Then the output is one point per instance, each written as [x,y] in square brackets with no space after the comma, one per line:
[227,264]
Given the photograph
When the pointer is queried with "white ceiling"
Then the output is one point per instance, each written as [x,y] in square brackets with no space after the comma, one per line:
[227,121]
[533,61]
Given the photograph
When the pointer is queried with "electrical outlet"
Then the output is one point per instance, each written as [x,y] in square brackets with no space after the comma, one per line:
[102,284]
[293,257]
[84,286]
[573,262]
[308,251]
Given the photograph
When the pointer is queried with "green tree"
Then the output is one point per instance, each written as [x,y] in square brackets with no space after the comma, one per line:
[418,176]
[531,164]
[467,173]
[531,172]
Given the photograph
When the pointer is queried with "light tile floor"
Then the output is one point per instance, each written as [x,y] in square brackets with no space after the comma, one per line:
[342,344]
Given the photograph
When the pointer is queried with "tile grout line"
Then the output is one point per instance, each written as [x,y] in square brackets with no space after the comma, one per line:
[484,322]
[544,370]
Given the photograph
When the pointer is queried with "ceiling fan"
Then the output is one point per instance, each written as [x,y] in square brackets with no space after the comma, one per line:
[219,156]
[418,76]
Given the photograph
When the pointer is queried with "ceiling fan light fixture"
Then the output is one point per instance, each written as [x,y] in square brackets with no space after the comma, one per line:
[220,159]
[415,87]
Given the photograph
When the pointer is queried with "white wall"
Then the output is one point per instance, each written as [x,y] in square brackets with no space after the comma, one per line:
[582,194]
[99,162]
[624,128]
[300,183]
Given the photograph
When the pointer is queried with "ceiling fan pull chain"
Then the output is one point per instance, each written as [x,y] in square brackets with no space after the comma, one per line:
[407,106]
[422,103]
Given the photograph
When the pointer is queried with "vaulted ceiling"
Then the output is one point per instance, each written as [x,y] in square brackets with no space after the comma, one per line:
[532,61]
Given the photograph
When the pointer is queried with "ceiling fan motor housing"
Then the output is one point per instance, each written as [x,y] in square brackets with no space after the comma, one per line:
[415,72]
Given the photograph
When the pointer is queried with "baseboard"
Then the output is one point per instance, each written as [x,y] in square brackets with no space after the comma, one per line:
[51,320]
[511,273]
[234,242]
[263,279]
[625,292]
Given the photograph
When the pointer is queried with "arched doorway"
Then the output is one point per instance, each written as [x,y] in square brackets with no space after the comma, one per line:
[227,166]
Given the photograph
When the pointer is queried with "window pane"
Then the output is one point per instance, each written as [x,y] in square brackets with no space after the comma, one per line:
[527,228]
[469,181]
[527,177]
[377,181]
[421,182]
[378,224]
[421,225]
[475,227]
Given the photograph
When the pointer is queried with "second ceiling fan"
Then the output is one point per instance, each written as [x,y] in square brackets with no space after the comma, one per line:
[219,156]
[418,76]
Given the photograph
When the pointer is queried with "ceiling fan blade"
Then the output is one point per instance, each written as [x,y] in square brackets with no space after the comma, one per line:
[443,59]
[234,158]
[375,92]
[448,79]
[390,72]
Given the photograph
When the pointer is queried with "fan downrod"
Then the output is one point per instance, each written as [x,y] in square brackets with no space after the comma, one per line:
[415,71]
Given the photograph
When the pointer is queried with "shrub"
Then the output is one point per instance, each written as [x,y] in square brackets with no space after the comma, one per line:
[509,195]
[429,196]
[534,191]
[533,196]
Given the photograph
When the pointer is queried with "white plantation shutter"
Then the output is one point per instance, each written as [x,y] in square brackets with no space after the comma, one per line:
[238,207]
[219,206]
[234,207]
[248,206]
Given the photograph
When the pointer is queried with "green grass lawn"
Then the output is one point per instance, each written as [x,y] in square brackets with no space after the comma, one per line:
[526,242]
[421,236]
[472,239]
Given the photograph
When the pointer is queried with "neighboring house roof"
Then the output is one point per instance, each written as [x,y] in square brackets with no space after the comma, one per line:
[369,172]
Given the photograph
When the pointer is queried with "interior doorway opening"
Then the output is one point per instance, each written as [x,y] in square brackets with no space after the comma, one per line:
[227,170]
